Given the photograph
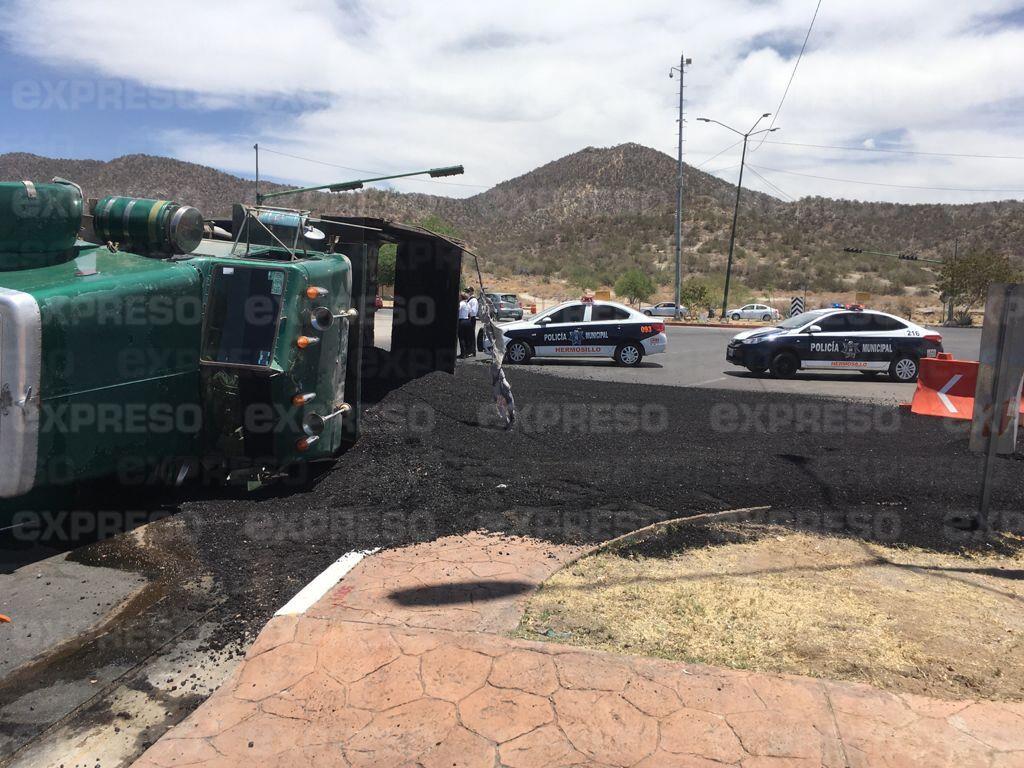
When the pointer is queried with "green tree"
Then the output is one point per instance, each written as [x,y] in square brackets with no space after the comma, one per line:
[386,264]
[967,279]
[694,295]
[634,285]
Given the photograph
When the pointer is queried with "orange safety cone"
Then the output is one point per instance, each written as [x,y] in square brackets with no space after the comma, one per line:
[945,388]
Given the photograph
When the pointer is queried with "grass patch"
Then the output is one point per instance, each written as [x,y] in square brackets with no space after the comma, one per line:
[768,598]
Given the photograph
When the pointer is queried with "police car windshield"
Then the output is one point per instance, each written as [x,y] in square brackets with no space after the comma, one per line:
[796,321]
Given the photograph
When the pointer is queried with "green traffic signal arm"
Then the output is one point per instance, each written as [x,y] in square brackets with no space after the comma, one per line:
[893,255]
[341,186]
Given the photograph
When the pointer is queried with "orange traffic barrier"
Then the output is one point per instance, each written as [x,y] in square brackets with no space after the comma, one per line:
[945,387]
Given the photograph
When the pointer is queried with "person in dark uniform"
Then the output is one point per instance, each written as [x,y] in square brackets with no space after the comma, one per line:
[474,311]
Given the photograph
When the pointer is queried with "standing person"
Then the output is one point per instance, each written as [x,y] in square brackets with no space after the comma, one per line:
[474,312]
[465,326]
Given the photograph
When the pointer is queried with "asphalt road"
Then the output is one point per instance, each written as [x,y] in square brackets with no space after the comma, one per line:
[696,358]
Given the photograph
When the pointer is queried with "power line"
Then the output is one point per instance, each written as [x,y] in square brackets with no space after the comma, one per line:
[771,184]
[364,170]
[796,64]
[883,184]
[722,152]
[898,151]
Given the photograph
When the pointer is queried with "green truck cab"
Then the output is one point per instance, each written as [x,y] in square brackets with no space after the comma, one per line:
[128,342]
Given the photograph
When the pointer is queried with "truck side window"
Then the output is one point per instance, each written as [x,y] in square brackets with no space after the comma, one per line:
[242,315]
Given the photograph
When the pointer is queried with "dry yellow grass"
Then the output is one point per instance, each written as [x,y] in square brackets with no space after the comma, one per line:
[770,599]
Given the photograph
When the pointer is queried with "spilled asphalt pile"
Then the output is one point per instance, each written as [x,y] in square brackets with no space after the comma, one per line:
[585,462]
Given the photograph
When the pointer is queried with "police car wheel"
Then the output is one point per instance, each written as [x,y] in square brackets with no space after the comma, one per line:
[629,355]
[518,352]
[904,369]
[784,365]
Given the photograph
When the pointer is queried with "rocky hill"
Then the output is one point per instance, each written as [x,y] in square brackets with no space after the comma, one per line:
[590,215]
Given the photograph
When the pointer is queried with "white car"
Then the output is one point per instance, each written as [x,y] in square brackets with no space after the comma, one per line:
[761,312]
[665,309]
[580,329]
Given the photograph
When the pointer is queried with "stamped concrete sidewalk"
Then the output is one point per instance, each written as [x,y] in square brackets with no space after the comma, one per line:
[403,664]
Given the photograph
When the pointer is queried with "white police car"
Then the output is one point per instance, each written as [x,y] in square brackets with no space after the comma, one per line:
[581,329]
[837,340]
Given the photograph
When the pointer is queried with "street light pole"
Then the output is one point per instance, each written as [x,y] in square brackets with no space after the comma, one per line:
[739,187]
[681,69]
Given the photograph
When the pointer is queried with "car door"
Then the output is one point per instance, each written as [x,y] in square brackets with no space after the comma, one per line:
[608,327]
[881,338]
[562,334]
[833,346]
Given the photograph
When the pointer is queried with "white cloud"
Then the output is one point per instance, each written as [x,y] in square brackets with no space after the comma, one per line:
[503,88]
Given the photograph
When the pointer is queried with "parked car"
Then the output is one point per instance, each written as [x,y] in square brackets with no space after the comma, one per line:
[665,309]
[580,329]
[761,312]
[506,306]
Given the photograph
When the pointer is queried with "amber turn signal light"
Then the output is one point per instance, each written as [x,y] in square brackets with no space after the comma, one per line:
[303,445]
[303,398]
[315,292]
[306,341]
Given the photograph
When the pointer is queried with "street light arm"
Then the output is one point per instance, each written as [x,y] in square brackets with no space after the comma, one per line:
[342,186]
[757,122]
[729,127]
[763,130]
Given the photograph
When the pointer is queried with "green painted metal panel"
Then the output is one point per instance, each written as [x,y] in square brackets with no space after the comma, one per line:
[38,223]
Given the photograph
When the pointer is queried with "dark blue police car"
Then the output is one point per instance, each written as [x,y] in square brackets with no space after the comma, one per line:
[837,340]
[579,329]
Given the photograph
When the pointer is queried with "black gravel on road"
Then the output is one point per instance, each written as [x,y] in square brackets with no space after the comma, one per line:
[589,461]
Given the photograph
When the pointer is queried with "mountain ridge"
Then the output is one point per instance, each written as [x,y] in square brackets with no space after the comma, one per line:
[589,215]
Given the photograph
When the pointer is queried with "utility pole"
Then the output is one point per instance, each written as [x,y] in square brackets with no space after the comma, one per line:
[681,69]
[739,187]
[257,148]
[952,281]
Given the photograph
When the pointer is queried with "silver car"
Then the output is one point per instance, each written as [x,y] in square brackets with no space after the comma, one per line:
[506,306]
[665,309]
[761,312]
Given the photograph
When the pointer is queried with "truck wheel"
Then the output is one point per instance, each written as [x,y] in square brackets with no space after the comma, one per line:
[904,369]
[518,352]
[629,355]
[784,365]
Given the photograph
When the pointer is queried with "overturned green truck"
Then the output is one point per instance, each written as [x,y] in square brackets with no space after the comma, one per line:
[140,341]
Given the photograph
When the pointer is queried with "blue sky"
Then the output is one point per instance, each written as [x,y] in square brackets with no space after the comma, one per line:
[395,85]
